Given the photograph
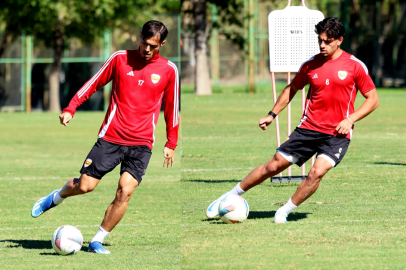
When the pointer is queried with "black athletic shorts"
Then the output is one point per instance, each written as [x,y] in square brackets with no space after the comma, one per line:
[105,156]
[303,144]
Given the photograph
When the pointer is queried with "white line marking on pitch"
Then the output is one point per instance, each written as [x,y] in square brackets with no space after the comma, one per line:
[89,226]
[67,178]
[316,221]
[208,224]
[251,168]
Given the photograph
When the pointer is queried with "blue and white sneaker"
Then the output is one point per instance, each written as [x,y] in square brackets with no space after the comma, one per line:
[97,247]
[280,217]
[213,209]
[43,205]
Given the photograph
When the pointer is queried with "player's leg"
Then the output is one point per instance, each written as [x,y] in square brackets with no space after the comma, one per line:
[331,151]
[115,212]
[77,186]
[277,164]
[312,181]
[118,207]
[305,189]
[103,158]
[73,187]
[258,175]
[133,168]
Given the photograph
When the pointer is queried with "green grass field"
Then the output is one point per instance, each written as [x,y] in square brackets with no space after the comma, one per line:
[38,155]
[356,219]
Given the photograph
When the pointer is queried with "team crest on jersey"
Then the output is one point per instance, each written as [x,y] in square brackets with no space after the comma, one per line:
[342,74]
[155,78]
[87,162]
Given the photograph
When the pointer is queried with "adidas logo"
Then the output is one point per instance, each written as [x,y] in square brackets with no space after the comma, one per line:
[131,73]
[338,154]
[315,76]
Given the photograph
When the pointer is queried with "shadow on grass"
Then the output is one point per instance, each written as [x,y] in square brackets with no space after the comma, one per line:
[390,163]
[50,254]
[214,221]
[28,244]
[213,181]
[271,214]
[262,214]
[39,244]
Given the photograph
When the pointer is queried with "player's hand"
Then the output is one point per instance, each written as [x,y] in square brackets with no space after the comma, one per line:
[65,118]
[344,127]
[265,122]
[169,155]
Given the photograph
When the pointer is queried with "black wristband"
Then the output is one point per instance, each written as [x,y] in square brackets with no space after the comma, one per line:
[272,114]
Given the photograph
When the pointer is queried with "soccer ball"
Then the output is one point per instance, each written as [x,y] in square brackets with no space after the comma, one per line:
[67,240]
[233,209]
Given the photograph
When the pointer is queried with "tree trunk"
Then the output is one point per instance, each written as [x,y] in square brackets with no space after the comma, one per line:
[5,42]
[54,101]
[202,78]
[378,41]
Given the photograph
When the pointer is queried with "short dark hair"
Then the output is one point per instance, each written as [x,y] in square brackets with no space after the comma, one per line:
[332,26]
[153,28]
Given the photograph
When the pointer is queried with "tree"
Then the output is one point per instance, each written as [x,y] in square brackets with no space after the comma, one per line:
[202,78]
[231,20]
[53,22]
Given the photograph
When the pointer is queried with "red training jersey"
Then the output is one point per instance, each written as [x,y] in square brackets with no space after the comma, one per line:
[333,89]
[139,87]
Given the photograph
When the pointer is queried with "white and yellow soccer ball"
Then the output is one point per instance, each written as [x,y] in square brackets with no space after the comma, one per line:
[67,240]
[233,209]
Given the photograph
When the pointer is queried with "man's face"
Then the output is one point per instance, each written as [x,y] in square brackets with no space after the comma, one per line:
[328,45]
[149,47]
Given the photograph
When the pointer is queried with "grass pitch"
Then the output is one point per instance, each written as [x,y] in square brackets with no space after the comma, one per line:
[38,155]
[354,221]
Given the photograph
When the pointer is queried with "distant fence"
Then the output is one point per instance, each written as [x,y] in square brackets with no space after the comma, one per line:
[229,65]
[383,51]
[24,67]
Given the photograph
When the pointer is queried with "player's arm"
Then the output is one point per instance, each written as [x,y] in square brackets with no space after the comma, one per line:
[364,83]
[369,105]
[283,100]
[64,118]
[287,95]
[102,77]
[171,114]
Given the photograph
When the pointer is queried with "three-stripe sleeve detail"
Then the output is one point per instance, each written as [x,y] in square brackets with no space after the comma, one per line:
[175,95]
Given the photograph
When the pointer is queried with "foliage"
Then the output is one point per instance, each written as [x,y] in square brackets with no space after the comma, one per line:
[82,19]
[230,22]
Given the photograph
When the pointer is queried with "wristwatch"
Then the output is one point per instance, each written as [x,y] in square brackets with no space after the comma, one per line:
[272,113]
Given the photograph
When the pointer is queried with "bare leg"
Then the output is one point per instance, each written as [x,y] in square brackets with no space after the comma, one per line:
[258,175]
[305,189]
[117,208]
[312,181]
[77,186]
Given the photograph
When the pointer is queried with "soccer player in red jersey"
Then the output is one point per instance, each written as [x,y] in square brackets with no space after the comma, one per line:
[327,123]
[142,80]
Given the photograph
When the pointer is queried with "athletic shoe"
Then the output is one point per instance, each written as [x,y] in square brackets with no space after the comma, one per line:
[97,247]
[213,209]
[280,217]
[43,205]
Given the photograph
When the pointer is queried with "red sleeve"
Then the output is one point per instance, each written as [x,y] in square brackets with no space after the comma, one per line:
[102,77]
[300,79]
[362,79]
[171,101]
